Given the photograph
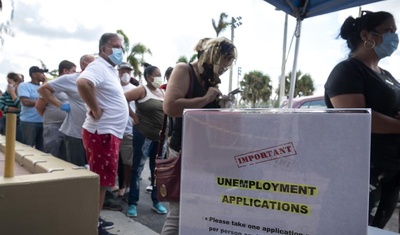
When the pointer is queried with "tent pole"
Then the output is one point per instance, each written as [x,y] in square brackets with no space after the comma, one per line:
[282,78]
[293,78]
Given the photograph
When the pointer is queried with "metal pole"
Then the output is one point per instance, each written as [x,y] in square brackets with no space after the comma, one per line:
[293,78]
[282,78]
[11,124]
[231,70]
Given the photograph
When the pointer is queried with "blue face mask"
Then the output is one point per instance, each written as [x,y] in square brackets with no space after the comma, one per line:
[117,56]
[389,44]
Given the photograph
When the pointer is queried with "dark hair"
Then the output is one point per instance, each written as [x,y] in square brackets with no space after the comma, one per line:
[14,76]
[148,69]
[65,64]
[168,72]
[105,39]
[351,28]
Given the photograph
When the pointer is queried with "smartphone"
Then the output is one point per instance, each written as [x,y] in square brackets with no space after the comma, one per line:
[234,92]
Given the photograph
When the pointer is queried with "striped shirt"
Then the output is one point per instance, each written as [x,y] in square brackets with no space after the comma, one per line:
[6,102]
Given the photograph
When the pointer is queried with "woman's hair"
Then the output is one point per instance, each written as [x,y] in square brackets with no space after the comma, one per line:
[168,72]
[148,69]
[211,53]
[352,27]
[213,50]
[15,77]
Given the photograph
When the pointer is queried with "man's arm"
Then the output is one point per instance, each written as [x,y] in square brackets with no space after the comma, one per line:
[41,106]
[27,102]
[47,93]
[86,90]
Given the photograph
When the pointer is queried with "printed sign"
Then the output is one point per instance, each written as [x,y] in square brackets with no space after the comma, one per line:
[275,172]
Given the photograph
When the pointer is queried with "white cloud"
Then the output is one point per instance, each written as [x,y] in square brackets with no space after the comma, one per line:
[56,30]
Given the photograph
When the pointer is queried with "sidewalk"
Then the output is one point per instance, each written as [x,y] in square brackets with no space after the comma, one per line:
[124,225]
[146,223]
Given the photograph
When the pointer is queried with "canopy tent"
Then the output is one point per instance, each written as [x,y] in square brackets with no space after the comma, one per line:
[301,9]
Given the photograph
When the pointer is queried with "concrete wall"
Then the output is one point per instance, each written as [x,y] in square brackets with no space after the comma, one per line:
[57,198]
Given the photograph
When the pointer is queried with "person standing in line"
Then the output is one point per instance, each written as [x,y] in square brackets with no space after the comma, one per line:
[53,116]
[359,82]
[107,115]
[147,121]
[75,109]
[126,148]
[166,77]
[31,123]
[9,101]
[215,56]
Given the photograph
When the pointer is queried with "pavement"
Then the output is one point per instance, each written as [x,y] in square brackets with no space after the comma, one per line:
[146,223]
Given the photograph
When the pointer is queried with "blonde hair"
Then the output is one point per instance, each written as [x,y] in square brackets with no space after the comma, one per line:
[213,51]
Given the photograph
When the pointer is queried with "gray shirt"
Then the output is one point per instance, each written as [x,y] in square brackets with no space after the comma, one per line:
[72,125]
[53,114]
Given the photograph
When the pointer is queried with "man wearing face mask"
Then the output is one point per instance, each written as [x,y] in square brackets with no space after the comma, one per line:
[125,73]
[359,82]
[107,114]
[126,148]
[148,121]
[75,108]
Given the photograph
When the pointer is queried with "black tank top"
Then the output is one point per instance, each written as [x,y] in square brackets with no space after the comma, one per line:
[198,91]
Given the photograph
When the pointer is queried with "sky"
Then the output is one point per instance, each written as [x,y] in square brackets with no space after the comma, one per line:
[53,31]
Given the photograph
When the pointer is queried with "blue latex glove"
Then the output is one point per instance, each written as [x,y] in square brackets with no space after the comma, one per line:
[65,107]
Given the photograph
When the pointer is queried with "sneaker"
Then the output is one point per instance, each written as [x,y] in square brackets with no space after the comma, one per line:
[105,224]
[112,205]
[149,188]
[132,211]
[159,208]
[102,231]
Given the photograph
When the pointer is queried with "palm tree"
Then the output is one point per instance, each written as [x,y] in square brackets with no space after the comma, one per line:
[134,54]
[304,84]
[222,23]
[256,87]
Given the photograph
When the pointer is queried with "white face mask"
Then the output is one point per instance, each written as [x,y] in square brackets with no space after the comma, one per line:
[125,78]
[157,82]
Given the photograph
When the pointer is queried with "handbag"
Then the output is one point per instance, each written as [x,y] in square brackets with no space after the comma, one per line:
[168,178]
[168,171]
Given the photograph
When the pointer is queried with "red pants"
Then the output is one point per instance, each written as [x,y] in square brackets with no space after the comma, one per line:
[102,153]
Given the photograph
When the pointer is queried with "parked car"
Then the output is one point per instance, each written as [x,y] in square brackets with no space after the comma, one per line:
[307,102]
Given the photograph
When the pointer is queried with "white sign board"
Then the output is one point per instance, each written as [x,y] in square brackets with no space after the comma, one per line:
[275,172]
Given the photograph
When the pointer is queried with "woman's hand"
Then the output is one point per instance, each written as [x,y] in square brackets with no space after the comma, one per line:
[10,89]
[212,94]
[135,119]
[227,101]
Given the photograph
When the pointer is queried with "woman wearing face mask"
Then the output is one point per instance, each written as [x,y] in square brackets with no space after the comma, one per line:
[147,121]
[358,82]
[194,85]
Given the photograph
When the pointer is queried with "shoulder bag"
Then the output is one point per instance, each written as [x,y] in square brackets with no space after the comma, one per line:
[168,171]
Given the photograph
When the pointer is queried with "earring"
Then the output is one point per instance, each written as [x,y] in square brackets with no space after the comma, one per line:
[369,44]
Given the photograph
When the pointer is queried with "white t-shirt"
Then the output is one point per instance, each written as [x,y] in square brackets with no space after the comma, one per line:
[128,130]
[72,125]
[110,98]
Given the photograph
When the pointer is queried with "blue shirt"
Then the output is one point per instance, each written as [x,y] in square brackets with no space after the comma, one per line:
[29,114]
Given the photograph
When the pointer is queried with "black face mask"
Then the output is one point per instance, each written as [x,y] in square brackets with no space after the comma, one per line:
[208,76]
